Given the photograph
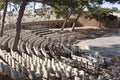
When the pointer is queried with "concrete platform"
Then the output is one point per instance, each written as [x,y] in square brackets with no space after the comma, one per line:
[109,44]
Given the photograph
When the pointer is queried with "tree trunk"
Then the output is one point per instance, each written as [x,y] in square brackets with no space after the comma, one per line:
[100,24]
[18,24]
[65,22]
[74,23]
[3,19]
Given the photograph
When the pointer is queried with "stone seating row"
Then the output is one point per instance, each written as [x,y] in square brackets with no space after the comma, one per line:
[25,44]
[3,42]
[28,60]
[28,48]
[11,33]
[49,69]
[101,59]
[29,44]
[36,45]
[8,67]
[83,60]
[42,29]
[43,44]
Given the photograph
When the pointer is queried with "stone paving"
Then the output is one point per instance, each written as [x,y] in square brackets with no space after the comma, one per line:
[109,43]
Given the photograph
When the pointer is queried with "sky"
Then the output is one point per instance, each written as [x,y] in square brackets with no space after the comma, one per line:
[106,5]
[38,5]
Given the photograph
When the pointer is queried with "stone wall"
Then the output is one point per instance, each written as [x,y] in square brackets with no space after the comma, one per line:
[82,21]
[39,24]
[52,24]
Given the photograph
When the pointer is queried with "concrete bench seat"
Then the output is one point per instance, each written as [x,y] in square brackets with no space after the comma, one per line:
[53,36]
[20,46]
[10,43]
[45,33]
[42,29]
[83,60]
[22,43]
[36,47]
[25,37]
[28,47]
[34,38]
[9,31]
[67,49]
[4,42]
[15,75]
[43,44]
[92,59]
[29,44]
[47,69]
[95,57]
[3,38]
[12,34]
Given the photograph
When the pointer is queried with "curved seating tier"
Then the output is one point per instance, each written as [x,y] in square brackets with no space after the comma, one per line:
[4,42]
[36,44]
[37,61]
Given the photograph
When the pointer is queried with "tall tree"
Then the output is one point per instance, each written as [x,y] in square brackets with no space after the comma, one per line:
[65,22]
[74,23]
[61,8]
[3,19]
[18,23]
[100,14]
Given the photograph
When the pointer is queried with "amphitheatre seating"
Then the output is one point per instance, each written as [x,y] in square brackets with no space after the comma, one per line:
[42,29]
[38,70]
[20,46]
[9,31]
[54,35]
[7,69]
[36,63]
[29,44]
[4,42]
[83,60]
[95,58]
[10,43]
[27,36]
[36,45]
[43,45]
[45,33]
[67,49]
[22,42]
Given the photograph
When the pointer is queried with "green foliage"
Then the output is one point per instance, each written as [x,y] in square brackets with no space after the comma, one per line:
[100,14]
[16,1]
[1,4]
[77,6]
[63,7]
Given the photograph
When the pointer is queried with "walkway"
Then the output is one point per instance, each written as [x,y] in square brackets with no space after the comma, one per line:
[109,44]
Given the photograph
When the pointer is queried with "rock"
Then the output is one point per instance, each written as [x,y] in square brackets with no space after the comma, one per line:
[100,77]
